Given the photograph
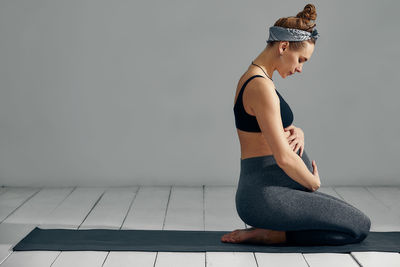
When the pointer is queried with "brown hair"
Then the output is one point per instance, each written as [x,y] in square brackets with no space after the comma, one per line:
[301,21]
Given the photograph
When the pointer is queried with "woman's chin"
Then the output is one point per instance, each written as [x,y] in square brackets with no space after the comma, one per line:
[285,75]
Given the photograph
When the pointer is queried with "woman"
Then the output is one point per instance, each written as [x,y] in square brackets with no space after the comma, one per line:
[276,192]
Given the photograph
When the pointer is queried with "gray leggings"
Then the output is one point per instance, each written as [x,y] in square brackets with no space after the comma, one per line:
[268,198]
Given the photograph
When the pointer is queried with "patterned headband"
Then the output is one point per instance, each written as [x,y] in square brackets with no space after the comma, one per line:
[277,33]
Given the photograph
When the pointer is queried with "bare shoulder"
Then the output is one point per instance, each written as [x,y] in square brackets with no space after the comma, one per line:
[261,83]
[261,90]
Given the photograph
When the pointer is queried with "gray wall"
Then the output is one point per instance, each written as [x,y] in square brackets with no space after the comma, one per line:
[104,93]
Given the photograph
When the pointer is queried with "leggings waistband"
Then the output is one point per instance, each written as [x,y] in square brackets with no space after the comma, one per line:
[259,161]
[269,160]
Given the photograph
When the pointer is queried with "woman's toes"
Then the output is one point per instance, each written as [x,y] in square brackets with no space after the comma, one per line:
[234,236]
[226,237]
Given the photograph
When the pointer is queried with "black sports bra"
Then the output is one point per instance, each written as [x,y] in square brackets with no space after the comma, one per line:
[247,122]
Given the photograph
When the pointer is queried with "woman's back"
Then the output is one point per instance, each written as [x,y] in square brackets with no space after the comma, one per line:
[252,143]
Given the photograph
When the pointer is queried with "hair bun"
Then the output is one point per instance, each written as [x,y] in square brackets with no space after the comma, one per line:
[309,13]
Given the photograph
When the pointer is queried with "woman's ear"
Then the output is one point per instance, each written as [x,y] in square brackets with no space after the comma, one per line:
[283,46]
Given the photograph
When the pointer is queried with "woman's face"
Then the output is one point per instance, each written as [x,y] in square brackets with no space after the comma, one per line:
[292,61]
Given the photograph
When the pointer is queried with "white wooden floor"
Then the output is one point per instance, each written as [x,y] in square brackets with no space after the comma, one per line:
[169,208]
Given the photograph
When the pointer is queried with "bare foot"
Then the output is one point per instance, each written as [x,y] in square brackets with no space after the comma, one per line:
[255,235]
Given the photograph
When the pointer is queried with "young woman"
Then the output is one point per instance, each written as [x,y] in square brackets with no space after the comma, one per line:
[276,192]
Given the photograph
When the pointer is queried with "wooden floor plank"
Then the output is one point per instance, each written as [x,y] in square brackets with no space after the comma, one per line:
[221,215]
[147,211]
[330,260]
[130,259]
[13,198]
[39,206]
[148,208]
[180,259]
[388,196]
[110,211]
[80,259]
[220,209]
[30,258]
[23,220]
[280,259]
[10,235]
[230,259]
[71,214]
[377,259]
[185,209]
[184,212]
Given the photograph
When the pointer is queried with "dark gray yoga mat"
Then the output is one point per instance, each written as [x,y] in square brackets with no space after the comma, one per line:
[181,241]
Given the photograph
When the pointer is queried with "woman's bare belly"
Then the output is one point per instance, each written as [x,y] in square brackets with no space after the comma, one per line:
[254,144]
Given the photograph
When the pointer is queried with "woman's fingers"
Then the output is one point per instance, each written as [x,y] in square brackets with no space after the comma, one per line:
[295,147]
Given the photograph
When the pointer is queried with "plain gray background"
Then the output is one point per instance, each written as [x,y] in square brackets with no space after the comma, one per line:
[113,93]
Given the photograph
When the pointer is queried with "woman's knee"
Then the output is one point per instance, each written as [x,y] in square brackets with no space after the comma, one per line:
[359,232]
[364,227]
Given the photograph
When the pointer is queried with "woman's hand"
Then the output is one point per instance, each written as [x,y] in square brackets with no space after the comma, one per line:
[296,139]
